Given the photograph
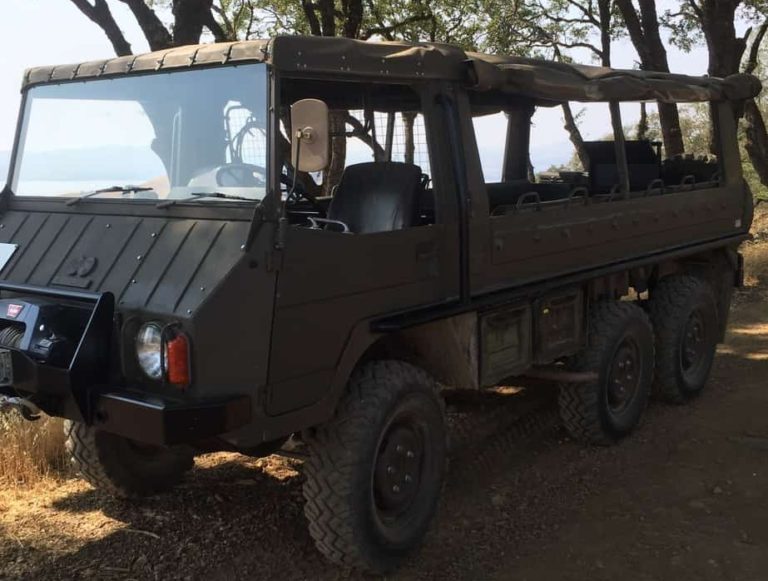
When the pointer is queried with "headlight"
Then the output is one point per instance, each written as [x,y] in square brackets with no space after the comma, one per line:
[149,350]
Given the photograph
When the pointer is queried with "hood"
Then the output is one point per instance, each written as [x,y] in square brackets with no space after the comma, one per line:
[158,264]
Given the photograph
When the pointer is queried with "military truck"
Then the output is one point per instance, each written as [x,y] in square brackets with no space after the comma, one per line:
[227,246]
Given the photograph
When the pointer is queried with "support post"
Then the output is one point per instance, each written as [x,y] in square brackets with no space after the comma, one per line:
[621,148]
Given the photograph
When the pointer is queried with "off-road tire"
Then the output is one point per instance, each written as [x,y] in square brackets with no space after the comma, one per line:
[121,467]
[586,407]
[677,303]
[345,455]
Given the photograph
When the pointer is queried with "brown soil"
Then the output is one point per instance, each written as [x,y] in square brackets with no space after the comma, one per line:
[684,498]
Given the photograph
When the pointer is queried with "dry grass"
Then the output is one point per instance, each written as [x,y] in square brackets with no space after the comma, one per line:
[756,252]
[30,451]
[756,264]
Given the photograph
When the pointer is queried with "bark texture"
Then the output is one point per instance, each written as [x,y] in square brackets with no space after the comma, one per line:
[643,29]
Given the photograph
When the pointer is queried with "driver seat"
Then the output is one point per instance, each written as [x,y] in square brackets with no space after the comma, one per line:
[378,196]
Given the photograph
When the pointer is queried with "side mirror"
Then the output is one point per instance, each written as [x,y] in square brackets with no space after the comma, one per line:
[310,143]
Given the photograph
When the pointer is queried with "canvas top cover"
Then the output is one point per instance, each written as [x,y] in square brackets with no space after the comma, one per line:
[541,80]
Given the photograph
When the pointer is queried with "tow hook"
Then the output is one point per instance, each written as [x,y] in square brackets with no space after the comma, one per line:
[26,408]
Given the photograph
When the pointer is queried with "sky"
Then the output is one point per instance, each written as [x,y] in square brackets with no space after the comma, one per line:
[44,32]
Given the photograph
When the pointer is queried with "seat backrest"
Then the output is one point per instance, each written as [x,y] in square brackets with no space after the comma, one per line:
[378,197]
[508,193]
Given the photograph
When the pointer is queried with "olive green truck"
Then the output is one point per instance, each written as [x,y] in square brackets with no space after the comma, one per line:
[221,247]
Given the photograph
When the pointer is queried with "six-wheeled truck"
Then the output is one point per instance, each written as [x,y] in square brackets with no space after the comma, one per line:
[227,246]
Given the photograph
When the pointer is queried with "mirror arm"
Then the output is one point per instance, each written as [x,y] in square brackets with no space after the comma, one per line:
[282,223]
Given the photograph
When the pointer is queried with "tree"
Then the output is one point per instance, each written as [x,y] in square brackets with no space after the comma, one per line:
[190,19]
[755,132]
[643,26]
[550,30]
[715,20]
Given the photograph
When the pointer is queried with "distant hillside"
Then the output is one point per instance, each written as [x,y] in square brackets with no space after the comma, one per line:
[127,163]
[113,162]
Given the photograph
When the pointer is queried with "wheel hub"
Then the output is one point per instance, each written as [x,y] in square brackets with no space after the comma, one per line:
[624,376]
[398,469]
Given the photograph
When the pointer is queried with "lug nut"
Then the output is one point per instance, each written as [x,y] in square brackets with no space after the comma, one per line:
[390,469]
[399,449]
[409,454]
[396,489]
[408,478]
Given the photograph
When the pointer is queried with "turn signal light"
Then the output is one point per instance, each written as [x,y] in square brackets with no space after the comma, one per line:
[177,361]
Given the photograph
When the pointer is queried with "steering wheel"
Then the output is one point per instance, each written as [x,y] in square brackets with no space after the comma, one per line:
[300,192]
[241,175]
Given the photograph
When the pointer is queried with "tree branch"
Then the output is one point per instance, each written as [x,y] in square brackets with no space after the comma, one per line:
[360,133]
[156,34]
[751,63]
[220,33]
[386,31]
[101,15]
[309,9]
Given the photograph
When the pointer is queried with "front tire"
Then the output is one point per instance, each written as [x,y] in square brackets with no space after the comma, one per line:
[122,467]
[685,318]
[375,471]
[620,351]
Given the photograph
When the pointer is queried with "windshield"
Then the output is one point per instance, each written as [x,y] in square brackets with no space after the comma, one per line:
[160,136]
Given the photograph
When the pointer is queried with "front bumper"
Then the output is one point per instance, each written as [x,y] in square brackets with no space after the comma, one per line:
[84,390]
[159,421]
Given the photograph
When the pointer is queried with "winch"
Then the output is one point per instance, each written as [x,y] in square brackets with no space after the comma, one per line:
[47,331]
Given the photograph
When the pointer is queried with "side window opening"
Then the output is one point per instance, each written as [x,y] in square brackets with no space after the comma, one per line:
[379,178]
[553,156]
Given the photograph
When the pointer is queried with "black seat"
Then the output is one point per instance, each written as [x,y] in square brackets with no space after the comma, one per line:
[508,193]
[378,197]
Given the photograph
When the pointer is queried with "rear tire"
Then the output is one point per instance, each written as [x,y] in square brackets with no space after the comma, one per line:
[685,318]
[122,467]
[620,351]
[375,471]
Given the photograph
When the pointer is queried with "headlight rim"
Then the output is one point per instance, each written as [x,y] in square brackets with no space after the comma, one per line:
[152,368]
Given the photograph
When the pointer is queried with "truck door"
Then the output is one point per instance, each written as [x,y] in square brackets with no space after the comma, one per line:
[389,239]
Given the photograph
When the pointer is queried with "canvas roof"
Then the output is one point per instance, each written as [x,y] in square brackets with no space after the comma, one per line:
[537,79]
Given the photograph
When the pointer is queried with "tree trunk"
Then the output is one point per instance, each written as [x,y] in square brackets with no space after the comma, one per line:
[409,118]
[189,19]
[642,123]
[332,175]
[726,49]
[672,135]
[575,136]
[643,29]
[756,142]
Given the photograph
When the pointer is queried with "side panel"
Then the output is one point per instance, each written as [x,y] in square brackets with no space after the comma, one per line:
[532,245]
[328,283]
[505,342]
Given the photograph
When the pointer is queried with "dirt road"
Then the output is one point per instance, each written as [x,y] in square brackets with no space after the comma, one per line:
[684,498]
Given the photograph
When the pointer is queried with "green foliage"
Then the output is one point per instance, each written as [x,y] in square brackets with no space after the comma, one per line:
[460,22]
[550,29]
[694,123]
[683,25]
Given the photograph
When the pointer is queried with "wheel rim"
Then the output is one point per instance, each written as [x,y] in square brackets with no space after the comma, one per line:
[398,469]
[694,342]
[624,377]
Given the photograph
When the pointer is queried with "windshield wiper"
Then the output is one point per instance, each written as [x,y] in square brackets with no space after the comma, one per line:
[197,195]
[112,189]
